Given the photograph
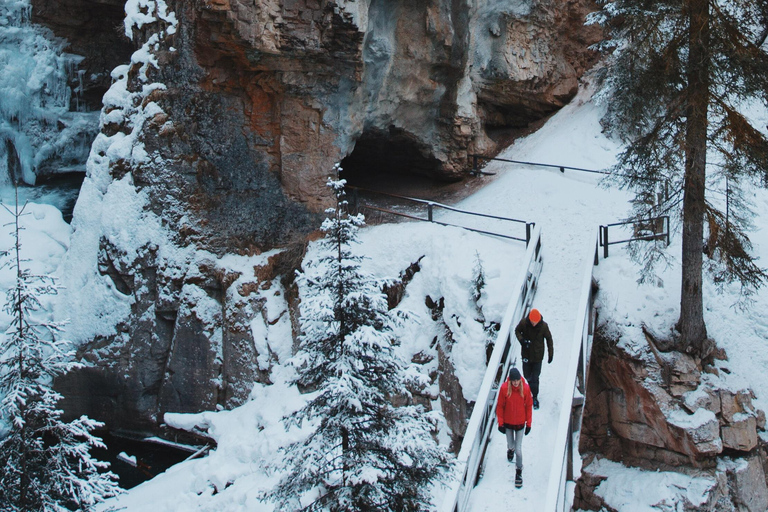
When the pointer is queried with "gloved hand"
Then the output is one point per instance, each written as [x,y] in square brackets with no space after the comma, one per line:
[550,359]
[527,430]
[502,429]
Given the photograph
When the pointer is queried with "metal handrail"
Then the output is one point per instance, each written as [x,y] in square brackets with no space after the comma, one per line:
[562,168]
[413,217]
[561,469]
[471,456]
[476,170]
[604,242]
[430,216]
[439,205]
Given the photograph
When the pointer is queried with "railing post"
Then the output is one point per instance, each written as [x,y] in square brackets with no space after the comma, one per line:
[597,259]
[429,212]
[562,169]
[668,228]
[528,226]
[569,452]
[475,169]
[605,241]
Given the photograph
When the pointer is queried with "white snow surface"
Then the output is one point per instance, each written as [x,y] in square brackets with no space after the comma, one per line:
[44,238]
[627,489]
[113,209]
[567,206]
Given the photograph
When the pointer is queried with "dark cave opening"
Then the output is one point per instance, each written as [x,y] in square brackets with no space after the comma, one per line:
[391,161]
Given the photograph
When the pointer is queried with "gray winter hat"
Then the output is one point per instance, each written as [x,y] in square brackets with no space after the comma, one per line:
[514,374]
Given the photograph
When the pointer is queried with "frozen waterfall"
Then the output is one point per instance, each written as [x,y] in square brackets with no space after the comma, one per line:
[44,128]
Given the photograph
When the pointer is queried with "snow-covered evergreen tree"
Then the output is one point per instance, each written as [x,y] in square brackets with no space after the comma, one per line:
[363,453]
[47,465]
[490,329]
[478,283]
[682,80]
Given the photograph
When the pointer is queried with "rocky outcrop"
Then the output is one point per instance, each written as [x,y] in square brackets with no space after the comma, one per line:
[529,57]
[736,485]
[667,411]
[305,84]
[199,347]
[455,407]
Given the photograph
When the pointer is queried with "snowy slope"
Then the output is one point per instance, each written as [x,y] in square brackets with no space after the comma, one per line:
[234,476]
[567,207]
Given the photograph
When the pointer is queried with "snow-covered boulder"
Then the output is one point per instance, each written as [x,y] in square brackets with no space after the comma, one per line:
[681,373]
[740,433]
[703,397]
[746,479]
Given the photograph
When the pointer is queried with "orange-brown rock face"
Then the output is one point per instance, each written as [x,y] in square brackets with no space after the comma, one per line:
[535,53]
[419,85]
[265,96]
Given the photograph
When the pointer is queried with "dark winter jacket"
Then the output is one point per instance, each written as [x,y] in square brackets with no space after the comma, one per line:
[514,411]
[531,338]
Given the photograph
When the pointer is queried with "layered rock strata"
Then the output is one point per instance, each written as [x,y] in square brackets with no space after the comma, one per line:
[668,411]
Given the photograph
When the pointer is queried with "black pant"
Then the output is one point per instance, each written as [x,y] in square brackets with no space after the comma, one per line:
[531,372]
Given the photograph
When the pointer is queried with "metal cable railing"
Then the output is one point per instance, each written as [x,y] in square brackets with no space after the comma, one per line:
[476,170]
[654,228]
[476,165]
[431,206]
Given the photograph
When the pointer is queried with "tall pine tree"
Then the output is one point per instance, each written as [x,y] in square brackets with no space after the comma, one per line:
[47,465]
[363,453]
[681,76]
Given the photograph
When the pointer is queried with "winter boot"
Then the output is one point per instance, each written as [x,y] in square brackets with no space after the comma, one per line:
[519,478]
[535,403]
[510,455]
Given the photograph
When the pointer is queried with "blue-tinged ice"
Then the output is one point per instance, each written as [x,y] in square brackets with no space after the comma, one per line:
[44,125]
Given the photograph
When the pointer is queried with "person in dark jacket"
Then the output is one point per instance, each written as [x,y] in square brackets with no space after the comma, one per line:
[514,416]
[531,333]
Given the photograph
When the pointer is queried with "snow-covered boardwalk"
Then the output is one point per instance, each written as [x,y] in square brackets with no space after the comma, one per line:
[568,208]
[557,297]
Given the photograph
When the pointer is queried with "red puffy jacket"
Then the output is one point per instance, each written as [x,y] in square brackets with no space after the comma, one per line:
[514,410]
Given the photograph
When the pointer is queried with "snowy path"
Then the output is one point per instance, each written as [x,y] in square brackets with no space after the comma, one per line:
[568,208]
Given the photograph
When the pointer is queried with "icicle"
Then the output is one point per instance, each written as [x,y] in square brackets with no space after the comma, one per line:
[79,90]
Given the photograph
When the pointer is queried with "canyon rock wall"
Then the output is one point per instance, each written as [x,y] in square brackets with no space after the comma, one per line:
[217,139]
[666,411]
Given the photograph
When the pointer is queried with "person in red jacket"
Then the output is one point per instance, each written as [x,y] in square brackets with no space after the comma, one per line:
[514,414]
